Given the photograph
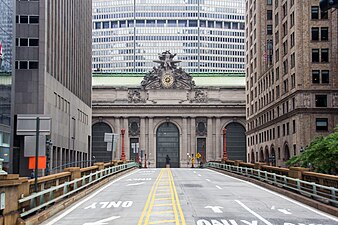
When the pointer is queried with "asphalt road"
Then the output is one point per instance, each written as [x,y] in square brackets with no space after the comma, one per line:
[187,196]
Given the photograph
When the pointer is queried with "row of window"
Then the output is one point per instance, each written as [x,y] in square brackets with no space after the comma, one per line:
[268,135]
[168,23]
[27,19]
[320,55]
[320,34]
[24,65]
[168,38]
[61,103]
[107,14]
[29,42]
[320,76]
[82,117]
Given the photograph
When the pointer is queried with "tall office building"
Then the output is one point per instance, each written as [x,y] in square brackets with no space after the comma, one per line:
[6,52]
[291,83]
[53,76]
[207,36]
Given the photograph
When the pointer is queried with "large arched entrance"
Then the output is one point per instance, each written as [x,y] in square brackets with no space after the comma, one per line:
[100,153]
[168,143]
[236,141]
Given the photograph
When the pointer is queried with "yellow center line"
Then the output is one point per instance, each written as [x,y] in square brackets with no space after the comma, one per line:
[149,198]
[177,200]
[169,191]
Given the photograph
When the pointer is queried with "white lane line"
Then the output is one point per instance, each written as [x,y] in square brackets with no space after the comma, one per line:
[219,187]
[208,180]
[253,213]
[194,171]
[281,196]
[86,199]
[199,175]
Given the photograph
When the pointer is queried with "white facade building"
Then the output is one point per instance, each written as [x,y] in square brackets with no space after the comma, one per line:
[208,35]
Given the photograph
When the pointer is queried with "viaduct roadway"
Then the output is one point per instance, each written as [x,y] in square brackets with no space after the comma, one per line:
[187,196]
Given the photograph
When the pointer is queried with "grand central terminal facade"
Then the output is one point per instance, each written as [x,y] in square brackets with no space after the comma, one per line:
[169,112]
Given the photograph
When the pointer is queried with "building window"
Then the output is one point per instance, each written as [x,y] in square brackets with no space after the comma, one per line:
[23,19]
[269,14]
[283,130]
[23,41]
[314,12]
[315,77]
[324,33]
[293,81]
[269,29]
[33,19]
[315,55]
[33,42]
[325,55]
[321,124]
[293,126]
[278,131]
[324,15]
[321,100]
[33,65]
[269,2]
[325,77]
[293,60]
[23,65]
[315,33]
[292,37]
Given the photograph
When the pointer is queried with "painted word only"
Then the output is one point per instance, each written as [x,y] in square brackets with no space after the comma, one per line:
[108,205]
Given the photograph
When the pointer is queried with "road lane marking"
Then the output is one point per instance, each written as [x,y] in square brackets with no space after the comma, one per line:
[103,221]
[135,184]
[216,209]
[208,180]
[163,204]
[89,197]
[199,175]
[162,221]
[219,187]
[279,195]
[163,212]
[161,199]
[253,213]
[149,198]
[177,200]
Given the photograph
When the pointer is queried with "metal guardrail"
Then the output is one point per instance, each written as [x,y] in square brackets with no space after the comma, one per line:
[309,189]
[47,197]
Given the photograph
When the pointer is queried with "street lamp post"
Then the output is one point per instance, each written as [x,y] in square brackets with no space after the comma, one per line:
[123,156]
[225,155]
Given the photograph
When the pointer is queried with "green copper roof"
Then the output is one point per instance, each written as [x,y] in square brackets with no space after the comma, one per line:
[219,81]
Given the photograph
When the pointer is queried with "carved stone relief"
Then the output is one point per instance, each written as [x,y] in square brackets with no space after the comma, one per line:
[201,96]
[134,96]
[201,126]
[134,126]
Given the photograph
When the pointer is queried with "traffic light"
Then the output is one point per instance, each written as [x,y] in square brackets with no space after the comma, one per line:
[328,4]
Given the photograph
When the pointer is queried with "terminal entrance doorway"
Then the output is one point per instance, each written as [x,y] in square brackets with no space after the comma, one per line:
[167,143]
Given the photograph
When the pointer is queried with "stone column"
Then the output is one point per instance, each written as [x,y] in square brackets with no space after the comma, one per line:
[151,140]
[193,137]
[126,138]
[117,153]
[142,139]
[209,148]
[185,144]
[218,150]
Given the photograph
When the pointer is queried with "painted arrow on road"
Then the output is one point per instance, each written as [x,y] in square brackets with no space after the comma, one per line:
[135,184]
[216,209]
[103,222]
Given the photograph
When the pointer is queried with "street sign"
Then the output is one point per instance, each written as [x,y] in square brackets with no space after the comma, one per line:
[41,162]
[26,124]
[108,137]
[30,146]
[198,155]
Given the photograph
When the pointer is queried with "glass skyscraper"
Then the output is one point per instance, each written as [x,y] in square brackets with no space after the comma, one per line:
[6,49]
[206,35]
